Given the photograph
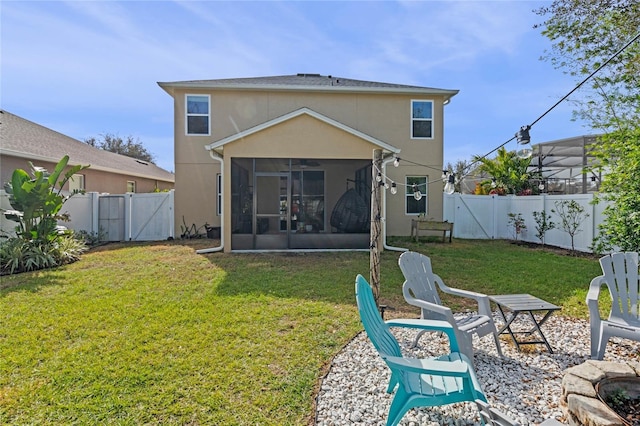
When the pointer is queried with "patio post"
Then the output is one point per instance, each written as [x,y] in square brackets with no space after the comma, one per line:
[375,245]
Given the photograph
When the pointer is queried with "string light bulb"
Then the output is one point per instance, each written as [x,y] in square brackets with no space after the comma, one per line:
[396,162]
[524,150]
[416,192]
[450,187]
[394,188]
[379,177]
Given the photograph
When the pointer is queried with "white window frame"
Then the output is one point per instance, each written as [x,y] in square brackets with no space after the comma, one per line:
[219,193]
[187,114]
[431,120]
[408,192]
[131,184]
[77,183]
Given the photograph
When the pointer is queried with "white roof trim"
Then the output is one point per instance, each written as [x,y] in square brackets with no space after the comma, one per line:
[297,113]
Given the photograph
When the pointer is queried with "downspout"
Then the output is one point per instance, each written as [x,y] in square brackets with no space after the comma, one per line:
[384,210]
[214,155]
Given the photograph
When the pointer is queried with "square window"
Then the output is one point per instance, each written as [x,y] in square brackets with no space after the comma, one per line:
[76,183]
[422,129]
[422,109]
[131,186]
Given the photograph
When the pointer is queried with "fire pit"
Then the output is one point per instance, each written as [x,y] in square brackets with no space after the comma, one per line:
[587,386]
[622,395]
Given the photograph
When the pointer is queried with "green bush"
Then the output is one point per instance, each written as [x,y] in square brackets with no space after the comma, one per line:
[20,255]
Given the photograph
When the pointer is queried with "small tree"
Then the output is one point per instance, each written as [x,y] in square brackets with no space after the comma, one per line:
[517,222]
[543,224]
[571,216]
[619,155]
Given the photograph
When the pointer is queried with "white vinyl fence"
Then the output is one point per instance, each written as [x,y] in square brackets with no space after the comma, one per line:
[150,217]
[120,217]
[486,217]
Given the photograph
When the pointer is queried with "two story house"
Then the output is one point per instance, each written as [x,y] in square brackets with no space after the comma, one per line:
[287,162]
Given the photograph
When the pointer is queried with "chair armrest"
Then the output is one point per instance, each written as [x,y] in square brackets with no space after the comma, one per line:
[592,298]
[484,308]
[430,366]
[429,325]
[424,324]
[423,304]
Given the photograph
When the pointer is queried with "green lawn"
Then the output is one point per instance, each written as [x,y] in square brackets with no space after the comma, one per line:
[154,333]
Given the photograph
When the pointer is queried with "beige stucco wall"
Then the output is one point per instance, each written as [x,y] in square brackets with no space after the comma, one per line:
[386,117]
[196,207]
[95,180]
[301,137]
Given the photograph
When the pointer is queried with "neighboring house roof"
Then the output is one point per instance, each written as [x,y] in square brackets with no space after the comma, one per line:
[25,139]
[297,113]
[306,82]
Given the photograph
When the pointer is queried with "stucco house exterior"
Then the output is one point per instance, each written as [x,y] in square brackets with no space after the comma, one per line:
[23,141]
[286,162]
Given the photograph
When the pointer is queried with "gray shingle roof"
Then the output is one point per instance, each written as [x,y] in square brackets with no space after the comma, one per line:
[25,139]
[307,82]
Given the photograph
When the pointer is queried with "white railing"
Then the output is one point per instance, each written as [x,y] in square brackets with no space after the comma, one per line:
[487,217]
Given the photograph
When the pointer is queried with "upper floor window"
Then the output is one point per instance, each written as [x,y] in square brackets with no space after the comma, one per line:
[76,183]
[131,186]
[421,119]
[198,119]
[416,194]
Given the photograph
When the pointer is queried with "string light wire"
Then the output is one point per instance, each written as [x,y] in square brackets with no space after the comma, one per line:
[464,173]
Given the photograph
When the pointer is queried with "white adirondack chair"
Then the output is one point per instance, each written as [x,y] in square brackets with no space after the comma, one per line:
[620,274]
[421,289]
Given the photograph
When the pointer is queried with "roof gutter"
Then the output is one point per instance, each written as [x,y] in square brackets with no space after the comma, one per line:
[217,157]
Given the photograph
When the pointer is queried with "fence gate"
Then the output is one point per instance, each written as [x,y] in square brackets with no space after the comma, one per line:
[474,217]
[111,217]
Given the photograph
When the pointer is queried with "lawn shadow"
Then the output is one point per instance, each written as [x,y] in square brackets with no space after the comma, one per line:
[326,277]
[31,281]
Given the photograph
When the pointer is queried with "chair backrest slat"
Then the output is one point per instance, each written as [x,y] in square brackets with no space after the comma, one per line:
[621,274]
[418,274]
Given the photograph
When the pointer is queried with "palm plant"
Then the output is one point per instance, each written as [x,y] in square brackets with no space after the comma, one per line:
[508,172]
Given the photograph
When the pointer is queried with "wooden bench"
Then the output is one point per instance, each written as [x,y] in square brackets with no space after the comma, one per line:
[418,225]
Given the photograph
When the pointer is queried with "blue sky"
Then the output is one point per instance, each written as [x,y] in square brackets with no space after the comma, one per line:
[86,68]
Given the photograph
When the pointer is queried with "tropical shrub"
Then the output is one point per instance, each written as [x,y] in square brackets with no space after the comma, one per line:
[37,200]
[508,173]
[20,255]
